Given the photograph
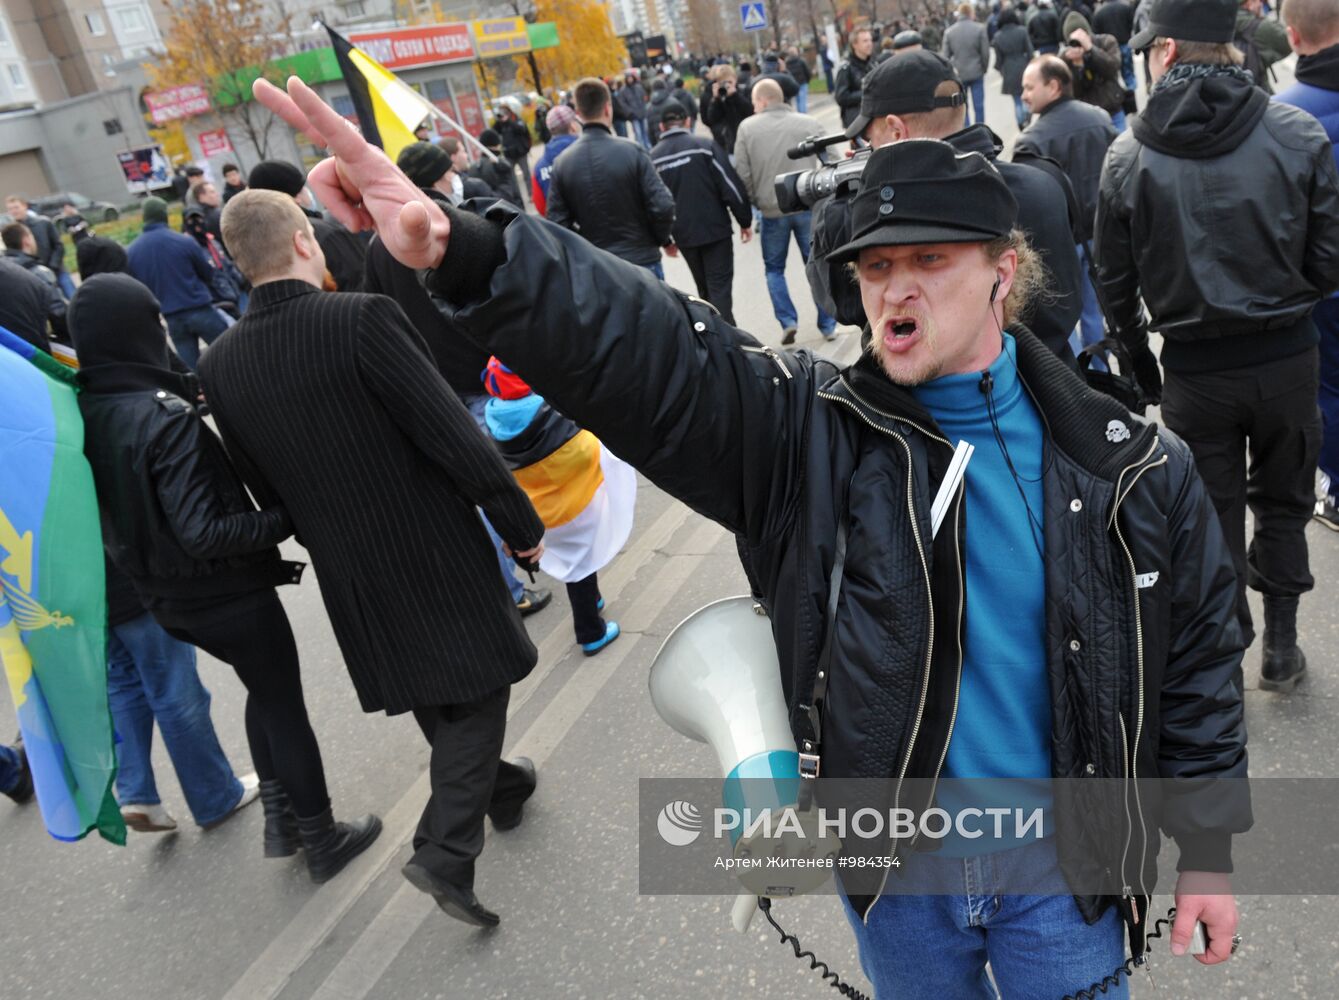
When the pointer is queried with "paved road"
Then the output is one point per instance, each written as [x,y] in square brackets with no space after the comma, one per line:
[201,915]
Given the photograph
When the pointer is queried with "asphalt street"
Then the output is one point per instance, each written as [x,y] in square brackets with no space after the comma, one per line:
[198,914]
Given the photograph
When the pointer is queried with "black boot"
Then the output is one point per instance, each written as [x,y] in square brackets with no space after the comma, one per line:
[330,845]
[281,823]
[1284,664]
[23,791]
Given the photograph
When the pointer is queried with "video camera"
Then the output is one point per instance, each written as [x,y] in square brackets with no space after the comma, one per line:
[798,191]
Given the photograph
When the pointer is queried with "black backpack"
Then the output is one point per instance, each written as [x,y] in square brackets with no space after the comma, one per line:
[1245,43]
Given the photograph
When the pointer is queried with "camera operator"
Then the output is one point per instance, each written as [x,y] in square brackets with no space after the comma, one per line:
[918,96]
[1095,63]
[723,107]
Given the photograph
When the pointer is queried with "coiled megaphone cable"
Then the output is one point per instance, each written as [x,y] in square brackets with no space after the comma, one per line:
[830,977]
[1092,992]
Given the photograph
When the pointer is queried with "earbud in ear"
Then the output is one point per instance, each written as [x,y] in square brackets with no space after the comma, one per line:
[994,289]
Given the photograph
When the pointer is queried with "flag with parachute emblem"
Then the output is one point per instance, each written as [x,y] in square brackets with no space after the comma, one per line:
[53,609]
[388,109]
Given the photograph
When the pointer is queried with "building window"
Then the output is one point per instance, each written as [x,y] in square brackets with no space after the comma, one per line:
[353,9]
[112,126]
[96,26]
[343,105]
[16,77]
[131,18]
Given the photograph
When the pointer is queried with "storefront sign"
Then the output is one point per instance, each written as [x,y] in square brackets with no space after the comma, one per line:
[214,143]
[185,101]
[501,36]
[403,48]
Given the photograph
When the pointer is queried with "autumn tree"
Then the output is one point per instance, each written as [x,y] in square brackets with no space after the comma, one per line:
[587,45]
[224,45]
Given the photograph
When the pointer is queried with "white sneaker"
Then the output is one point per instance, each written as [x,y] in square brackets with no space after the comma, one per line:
[250,790]
[144,818]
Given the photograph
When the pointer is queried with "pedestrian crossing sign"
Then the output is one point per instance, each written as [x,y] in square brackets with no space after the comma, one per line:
[752,16]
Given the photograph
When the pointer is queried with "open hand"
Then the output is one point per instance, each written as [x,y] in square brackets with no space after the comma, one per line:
[359,184]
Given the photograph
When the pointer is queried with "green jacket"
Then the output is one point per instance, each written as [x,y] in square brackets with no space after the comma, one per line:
[1271,42]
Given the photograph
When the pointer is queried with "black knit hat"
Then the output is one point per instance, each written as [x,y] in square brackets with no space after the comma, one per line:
[490,138]
[423,163]
[276,175]
[924,191]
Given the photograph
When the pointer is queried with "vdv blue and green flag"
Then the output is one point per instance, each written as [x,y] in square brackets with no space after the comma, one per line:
[53,605]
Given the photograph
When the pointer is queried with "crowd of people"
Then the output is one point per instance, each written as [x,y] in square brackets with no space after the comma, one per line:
[465,393]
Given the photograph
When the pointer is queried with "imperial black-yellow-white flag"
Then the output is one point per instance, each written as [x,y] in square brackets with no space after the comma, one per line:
[388,109]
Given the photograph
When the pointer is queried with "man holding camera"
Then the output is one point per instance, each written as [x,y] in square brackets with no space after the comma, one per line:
[1074,614]
[1220,209]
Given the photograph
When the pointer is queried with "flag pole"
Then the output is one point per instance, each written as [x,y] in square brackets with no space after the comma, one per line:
[437,112]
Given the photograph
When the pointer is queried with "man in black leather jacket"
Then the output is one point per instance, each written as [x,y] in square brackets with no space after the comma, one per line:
[1221,210]
[1134,628]
[607,189]
[851,74]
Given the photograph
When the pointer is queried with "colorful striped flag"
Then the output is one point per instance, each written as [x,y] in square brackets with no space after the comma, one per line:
[388,109]
[53,607]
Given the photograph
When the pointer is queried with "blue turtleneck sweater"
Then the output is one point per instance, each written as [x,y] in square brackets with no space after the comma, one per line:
[1003,725]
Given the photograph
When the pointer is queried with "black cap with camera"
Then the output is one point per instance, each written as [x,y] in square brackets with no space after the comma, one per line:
[905,85]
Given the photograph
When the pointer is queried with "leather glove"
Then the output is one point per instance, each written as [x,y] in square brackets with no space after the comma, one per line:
[1147,373]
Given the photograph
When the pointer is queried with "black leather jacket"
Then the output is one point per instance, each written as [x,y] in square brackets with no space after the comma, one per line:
[1075,135]
[607,189]
[775,446]
[175,516]
[1221,209]
[849,86]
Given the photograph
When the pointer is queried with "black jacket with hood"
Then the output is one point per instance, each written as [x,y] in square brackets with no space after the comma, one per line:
[1221,209]
[176,518]
[1141,637]
[606,188]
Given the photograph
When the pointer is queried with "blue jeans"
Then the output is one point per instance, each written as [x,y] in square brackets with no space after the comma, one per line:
[1326,318]
[66,283]
[151,675]
[1127,68]
[935,947]
[10,771]
[1021,112]
[639,128]
[188,328]
[978,89]
[1091,328]
[1118,120]
[802,99]
[475,404]
[658,269]
[776,235]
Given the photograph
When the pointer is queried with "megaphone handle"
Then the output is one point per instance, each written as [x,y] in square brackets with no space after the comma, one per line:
[741,914]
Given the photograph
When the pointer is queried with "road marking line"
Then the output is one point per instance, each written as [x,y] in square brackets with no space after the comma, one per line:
[368,957]
[274,967]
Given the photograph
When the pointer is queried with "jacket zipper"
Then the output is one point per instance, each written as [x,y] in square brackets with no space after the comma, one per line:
[1126,892]
[776,358]
[925,568]
[1139,653]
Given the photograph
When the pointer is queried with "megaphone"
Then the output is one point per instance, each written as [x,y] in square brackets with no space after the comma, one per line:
[717,680]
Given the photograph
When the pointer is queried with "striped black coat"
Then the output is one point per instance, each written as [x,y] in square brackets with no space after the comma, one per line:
[330,405]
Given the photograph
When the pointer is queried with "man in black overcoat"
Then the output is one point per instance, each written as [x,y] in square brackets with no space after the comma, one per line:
[329,405]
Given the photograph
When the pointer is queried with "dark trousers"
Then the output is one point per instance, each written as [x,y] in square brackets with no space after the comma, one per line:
[1255,433]
[257,643]
[713,268]
[469,781]
[584,596]
[1326,318]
